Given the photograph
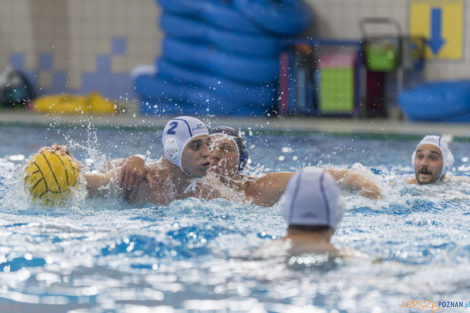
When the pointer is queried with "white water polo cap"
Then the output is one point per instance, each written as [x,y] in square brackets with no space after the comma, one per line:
[312,198]
[176,135]
[441,143]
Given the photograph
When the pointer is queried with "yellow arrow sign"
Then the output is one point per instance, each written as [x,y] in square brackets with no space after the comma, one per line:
[441,23]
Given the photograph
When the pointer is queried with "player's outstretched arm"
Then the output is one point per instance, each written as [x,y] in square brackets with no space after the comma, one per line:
[353,178]
[267,189]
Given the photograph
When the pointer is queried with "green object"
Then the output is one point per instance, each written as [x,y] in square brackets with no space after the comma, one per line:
[381,56]
[382,53]
[336,90]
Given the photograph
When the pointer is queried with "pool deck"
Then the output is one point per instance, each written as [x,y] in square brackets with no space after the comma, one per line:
[133,120]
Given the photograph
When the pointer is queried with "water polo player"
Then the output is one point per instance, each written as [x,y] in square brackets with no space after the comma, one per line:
[431,160]
[229,157]
[174,176]
[312,208]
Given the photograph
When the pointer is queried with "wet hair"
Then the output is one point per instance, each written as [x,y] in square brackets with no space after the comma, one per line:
[310,228]
[239,140]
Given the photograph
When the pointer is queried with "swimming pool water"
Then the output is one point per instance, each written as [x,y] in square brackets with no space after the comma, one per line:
[193,255]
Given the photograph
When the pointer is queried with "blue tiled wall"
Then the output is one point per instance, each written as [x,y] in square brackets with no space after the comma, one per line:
[114,85]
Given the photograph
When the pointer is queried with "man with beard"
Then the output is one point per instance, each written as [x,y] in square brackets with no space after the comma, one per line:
[431,161]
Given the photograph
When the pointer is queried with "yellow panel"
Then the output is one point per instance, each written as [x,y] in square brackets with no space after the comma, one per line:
[452,25]
[452,30]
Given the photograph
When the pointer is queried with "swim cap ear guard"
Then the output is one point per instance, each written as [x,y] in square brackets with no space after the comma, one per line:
[243,160]
[176,135]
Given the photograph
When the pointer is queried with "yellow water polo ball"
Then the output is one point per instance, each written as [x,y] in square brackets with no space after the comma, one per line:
[50,176]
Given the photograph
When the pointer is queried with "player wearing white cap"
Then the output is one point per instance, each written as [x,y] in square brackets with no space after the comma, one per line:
[431,160]
[312,208]
[228,158]
[176,175]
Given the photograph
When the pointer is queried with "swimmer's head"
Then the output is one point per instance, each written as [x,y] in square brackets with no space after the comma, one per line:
[432,159]
[228,152]
[312,199]
[185,142]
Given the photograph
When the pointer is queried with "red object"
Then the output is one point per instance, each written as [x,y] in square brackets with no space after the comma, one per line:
[375,94]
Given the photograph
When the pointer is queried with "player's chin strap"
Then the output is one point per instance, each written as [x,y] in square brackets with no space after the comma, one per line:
[193,185]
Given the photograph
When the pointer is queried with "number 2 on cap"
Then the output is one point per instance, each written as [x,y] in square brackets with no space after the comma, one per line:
[171,130]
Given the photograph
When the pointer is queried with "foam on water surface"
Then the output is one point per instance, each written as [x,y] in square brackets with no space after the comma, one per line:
[194,255]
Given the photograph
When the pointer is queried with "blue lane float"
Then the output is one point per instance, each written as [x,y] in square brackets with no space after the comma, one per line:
[263,94]
[447,101]
[166,97]
[213,12]
[192,29]
[237,67]
[283,17]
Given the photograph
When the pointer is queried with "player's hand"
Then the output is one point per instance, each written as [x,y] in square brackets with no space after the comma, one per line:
[132,173]
[371,191]
[56,148]
[62,150]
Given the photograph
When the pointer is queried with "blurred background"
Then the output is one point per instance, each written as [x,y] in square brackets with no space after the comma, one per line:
[354,58]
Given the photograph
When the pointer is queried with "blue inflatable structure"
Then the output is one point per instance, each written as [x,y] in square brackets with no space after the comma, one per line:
[220,57]
[214,12]
[235,66]
[447,101]
[181,97]
[191,29]
[262,94]
[284,17]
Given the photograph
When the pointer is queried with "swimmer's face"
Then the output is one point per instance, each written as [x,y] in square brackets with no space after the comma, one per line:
[428,164]
[195,158]
[223,156]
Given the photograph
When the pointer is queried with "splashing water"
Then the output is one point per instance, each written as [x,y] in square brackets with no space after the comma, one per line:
[194,255]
